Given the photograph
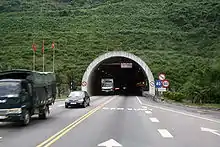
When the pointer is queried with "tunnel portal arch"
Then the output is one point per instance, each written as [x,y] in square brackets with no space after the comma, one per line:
[95,63]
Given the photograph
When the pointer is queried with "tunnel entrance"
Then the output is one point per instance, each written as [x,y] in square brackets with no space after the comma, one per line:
[128,77]
[128,73]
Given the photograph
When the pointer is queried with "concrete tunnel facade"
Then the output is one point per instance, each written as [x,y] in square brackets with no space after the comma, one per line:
[88,75]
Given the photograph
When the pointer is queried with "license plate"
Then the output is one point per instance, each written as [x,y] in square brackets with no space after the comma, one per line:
[2,117]
[72,103]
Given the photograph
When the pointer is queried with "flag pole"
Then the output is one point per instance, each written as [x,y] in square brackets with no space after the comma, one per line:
[34,60]
[53,46]
[34,52]
[43,61]
[43,54]
[33,56]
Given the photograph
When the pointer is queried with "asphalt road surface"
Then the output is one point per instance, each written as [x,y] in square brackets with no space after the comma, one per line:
[113,121]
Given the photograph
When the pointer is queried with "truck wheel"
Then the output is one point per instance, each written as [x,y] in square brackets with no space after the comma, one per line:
[44,114]
[27,118]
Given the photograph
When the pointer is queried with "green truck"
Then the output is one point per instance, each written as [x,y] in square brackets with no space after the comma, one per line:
[24,93]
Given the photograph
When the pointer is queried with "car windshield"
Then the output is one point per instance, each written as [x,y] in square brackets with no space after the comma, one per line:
[76,94]
[8,88]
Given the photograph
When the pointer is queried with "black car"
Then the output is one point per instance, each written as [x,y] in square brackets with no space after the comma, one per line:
[80,98]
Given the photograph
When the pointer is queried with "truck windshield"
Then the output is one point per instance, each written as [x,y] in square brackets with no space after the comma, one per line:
[8,88]
[107,84]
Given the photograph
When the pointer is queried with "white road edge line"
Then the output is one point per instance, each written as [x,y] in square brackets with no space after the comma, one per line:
[139,100]
[153,119]
[112,108]
[164,133]
[148,112]
[183,113]
[129,109]
[120,108]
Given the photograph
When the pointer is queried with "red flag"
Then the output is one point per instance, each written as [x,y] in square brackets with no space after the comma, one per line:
[34,47]
[43,47]
[53,45]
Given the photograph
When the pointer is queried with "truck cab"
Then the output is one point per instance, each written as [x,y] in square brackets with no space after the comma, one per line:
[107,86]
[14,98]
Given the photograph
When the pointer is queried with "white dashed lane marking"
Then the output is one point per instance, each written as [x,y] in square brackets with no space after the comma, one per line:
[164,133]
[153,119]
[128,109]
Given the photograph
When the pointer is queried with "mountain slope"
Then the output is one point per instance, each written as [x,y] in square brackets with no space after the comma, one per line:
[178,37]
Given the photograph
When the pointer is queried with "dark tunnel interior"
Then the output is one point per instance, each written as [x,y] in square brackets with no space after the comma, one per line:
[130,80]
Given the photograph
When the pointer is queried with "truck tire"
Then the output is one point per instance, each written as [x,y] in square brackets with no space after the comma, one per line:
[26,119]
[44,113]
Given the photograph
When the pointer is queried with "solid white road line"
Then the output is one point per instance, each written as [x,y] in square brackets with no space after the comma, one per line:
[139,100]
[164,133]
[129,109]
[183,113]
[148,112]
[153,119]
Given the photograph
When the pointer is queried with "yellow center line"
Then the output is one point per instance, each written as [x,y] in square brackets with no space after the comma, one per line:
[61,133]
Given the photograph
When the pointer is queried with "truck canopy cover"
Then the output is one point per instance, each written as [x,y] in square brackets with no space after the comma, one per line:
[37,78]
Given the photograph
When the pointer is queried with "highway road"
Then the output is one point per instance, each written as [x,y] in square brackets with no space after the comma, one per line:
[113,121]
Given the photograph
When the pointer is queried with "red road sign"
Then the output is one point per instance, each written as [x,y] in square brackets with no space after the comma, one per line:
[165,83]
[84,83]
[162,76]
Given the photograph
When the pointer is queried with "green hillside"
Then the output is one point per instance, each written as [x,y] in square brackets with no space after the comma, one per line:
[178,37]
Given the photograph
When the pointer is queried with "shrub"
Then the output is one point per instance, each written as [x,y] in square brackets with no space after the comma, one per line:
[176,96]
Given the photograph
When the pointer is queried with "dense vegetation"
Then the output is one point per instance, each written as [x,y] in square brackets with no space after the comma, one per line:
[177,37]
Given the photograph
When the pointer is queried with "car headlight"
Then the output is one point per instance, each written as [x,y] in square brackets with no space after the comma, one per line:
[14,110]
[81,100]
[67,100]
